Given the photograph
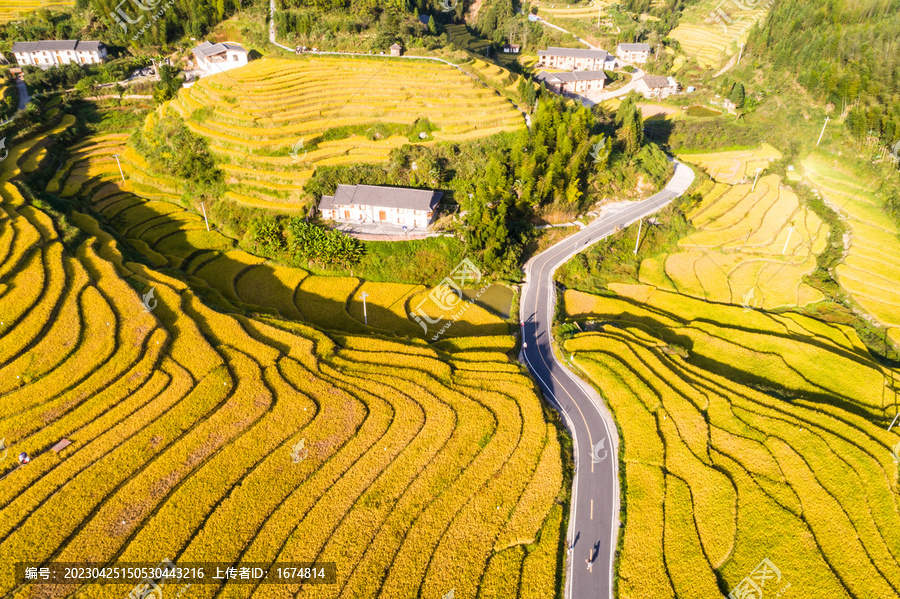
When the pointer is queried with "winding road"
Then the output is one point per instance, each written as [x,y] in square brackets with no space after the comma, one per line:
[594,516]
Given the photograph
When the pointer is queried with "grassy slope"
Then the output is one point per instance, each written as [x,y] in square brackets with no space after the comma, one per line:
[142,212]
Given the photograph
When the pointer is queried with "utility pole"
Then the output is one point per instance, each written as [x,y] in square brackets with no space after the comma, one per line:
[204,215]
[120,168]
[758,171]
[823,131]
[791,230]
[363,297]
[638,242]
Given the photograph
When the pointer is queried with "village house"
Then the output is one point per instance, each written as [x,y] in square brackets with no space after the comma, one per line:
[215,58]
[633,52]
[575,82]
[654,86]
[396,50]
[511,48]
[50,53]
[412,208]
[575,59]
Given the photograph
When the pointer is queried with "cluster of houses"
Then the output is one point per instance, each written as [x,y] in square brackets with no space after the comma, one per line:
[573,71]
[209,58]
[580,71]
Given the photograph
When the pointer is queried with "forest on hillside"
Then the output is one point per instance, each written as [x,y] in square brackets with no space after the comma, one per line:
[845,52]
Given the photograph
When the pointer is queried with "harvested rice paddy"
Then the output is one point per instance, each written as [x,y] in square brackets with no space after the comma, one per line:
[271,123]
[742,441]
[240,434]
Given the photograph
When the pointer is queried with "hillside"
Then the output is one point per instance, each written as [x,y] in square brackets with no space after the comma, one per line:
[750,430]
[720,471]
[711,30]
[146,214]
[271,123]
[185,421]
[844,53]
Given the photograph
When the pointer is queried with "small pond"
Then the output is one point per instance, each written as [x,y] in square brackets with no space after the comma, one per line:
[496,298]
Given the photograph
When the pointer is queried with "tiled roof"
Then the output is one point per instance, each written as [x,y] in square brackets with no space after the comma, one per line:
[57,45]
[634,47]
[382,197]
[573,76]
[209,49]
[574,53]
[655,81]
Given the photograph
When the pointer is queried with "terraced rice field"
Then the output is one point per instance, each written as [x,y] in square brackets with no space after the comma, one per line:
[143,212]
[553,11]
[738,166]
[752,248]
[719,474]
[711,30]
[869,271]
[266,122]
[461,36]
[427,468]
[11,10]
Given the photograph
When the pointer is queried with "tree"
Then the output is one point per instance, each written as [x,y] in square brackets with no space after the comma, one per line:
[267,235]
[630,126]
[169,84]
[737,94]
[171,148]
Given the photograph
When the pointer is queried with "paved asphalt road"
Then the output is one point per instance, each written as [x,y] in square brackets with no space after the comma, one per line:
[594,519]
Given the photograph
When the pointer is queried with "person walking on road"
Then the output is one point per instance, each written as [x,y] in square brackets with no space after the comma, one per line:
[589,565]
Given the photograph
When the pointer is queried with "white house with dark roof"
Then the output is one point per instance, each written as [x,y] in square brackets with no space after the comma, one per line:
[655,86]
[575,59]
[51,53]
[215,58]
[575,82]
[633,52]
[398,206]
